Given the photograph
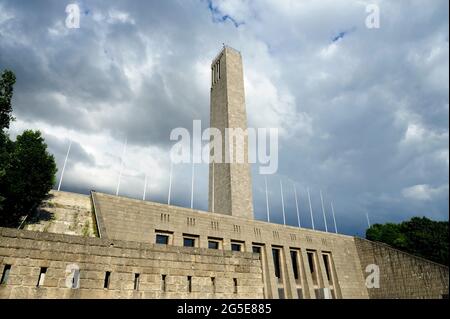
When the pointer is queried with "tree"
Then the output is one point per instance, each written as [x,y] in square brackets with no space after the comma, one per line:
[29,177]
[7,81]
[419,236]
[27,170]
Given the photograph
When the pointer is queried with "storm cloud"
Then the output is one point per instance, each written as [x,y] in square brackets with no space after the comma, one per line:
[362,113]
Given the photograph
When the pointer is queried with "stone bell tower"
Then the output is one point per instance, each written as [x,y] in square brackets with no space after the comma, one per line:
[230,182]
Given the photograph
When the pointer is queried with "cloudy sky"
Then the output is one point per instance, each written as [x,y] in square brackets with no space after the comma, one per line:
[363,113]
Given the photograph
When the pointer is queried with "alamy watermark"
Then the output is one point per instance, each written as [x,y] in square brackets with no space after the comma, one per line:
[73,276]
[373,19]
[73,16]
[373,279]
[231,148]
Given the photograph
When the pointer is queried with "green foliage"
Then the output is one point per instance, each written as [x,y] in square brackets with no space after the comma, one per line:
[27,170]
[419,236]
[7,81]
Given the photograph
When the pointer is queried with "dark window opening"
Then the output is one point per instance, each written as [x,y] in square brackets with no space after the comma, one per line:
[235,247]
[326,261]
[294,263]
[276,262]
[163,282]
[137,278]
[311,262]
[212,244]
[41,278]
[312,266]
[5,275]
[235,283]
[189,278]
[76,279]
[162,239]
[188,242]
[256,249]
[213,282]
[107,280]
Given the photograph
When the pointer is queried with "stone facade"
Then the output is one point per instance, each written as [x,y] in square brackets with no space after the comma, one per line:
[135,220]
[402,275]
[230,186]
[64,213]
[136,270]
[311,264]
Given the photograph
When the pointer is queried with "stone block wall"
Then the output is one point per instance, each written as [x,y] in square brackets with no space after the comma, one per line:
[64,213]
[402,275]
[121,218]
[188,272]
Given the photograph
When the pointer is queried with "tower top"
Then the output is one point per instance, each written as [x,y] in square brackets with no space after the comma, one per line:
[224,48]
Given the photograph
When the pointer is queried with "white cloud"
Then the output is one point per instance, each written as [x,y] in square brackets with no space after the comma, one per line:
[424,192]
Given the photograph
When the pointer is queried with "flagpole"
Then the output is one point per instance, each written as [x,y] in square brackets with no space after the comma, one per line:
[323,212]
[368,221]
[282,202]
[121,166]
[212,195]
[192,184]
[334,217]
[267,200]
[145,187]
[170,182]
[296,206]
[64,166]
[310,209]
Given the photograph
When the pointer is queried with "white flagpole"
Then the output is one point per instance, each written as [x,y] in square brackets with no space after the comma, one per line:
[323,212]
[267,200]
[334,217]
[64,166]
[145,187]
[192,184]
[296,206]
[310,209]
[368,221]
[121,166]
[212,195]
[170,182]
[282,203]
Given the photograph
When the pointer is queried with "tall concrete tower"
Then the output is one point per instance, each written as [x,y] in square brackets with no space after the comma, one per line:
[230,183]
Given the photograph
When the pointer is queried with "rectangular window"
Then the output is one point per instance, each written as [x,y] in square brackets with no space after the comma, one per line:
[41,278]
[162,239]
[312,266]
[163,283]
[213,283]
[235,283]
[326,261]
[256,249]
[189,278]
[188,242]
[107,280]
[236,246]
[137,278]
[76,279]
[218,68]
[5,274]
[276,262]
[294,259]
[212,244]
